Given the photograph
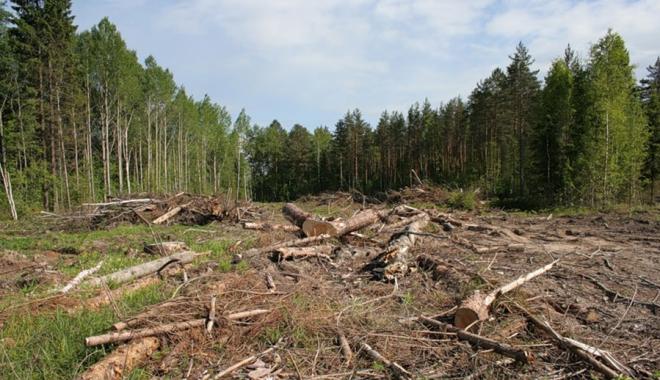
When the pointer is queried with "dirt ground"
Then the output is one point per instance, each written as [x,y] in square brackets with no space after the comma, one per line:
[604,291]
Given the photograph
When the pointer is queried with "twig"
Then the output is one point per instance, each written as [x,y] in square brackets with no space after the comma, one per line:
[244,362]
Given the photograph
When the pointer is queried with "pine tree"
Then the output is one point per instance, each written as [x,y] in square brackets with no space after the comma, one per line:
[552,135]
[650,95]
[522,89]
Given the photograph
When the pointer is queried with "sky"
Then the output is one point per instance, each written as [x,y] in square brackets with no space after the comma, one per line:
[309,61]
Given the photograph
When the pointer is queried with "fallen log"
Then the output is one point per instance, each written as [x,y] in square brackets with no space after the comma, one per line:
[480,341]
[395,367]
[122,361]
[322,251]
[406,221]
[394,260]
[295,214]
[612,370]
[168,215]
[122,336]
[80,277]
[145,269]
[476,307]
[165,248]
[269,227]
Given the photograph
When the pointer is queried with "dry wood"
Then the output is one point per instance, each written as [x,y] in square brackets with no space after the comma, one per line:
[121,202]
[480,341]
[243,363]
[321,251]
[123,336]
[81,276]
[168,215]
[295,214]
[211,319]
[313,227]
[288,243]
[406,221]
[345,348]
[165,248]
[135,320]
[270,283]
[476,307]
[269,227]
[122,360]
[395,367]
[585,352]
[394,260]
[145,269]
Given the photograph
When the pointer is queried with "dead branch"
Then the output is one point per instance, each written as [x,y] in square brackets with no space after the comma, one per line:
[581,350]
[480,341]
[123,336]
[345,348]
[476,307]
[122,360]
[395,367]
[616,296]
[244,362]
[80,277]
[144,269]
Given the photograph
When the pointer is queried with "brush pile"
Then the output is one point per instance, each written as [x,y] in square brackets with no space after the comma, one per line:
[181,208]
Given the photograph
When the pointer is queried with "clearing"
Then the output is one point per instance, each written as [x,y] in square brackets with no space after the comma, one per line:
[378,299]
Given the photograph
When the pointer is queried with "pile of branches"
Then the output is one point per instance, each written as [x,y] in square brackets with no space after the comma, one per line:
[181,208]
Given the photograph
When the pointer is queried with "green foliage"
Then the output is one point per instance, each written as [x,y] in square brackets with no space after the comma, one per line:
[463,200]
[51,346]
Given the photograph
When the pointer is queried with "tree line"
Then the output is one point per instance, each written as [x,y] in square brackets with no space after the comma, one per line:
[82,119]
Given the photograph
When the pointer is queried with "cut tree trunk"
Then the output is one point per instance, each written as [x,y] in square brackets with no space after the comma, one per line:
[145,269]
[395,259]
[476,307]
[295,214]
[122,360]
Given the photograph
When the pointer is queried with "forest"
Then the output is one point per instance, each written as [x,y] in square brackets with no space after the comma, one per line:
[83,120]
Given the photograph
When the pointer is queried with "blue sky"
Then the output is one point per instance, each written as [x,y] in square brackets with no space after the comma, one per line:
[308,61]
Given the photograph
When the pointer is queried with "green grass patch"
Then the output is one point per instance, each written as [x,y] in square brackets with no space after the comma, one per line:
[51,346]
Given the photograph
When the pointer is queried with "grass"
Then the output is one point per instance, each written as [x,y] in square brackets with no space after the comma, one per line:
[51,346]
[462,200]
